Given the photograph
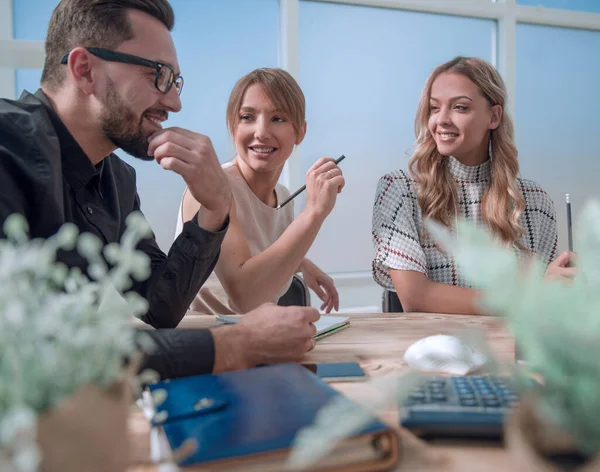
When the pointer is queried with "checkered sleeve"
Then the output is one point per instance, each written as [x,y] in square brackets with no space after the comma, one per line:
[540,221]
[548,244]
[395,228]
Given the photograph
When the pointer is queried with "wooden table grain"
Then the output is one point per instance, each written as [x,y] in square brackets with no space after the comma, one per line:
[378,342]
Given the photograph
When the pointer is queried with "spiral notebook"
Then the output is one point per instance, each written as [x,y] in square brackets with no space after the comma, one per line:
[326,325]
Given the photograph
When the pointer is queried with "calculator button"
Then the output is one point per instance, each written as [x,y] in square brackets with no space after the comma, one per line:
[468,402]
[468,396]
[487,395]
[491,403]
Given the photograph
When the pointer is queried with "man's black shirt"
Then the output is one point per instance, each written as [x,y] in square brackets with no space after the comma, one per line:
[46,176]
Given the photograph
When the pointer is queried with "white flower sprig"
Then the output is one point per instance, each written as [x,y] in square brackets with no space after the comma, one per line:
[60,329]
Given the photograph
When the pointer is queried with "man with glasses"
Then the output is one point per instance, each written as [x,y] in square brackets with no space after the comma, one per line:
[110,79]
[165,75]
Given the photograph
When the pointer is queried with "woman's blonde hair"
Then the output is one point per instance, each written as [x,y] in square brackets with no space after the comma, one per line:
[279,86]
[502,203]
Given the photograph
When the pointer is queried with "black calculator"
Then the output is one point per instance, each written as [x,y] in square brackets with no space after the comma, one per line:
[465,406]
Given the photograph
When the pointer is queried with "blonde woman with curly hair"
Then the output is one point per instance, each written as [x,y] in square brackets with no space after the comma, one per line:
[464,165]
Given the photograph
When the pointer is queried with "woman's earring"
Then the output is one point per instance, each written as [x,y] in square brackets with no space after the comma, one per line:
[490,147]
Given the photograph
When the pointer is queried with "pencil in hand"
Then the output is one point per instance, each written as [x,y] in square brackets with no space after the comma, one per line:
[303,188]
[569,224]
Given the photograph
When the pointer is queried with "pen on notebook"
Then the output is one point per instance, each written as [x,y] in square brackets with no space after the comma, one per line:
[569,224]
[303,188]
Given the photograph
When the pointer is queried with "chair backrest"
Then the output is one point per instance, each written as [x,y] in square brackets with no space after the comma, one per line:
[391,302]
[297,294]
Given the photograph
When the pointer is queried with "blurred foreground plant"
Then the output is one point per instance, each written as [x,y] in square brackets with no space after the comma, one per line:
[555,325]
[61,330]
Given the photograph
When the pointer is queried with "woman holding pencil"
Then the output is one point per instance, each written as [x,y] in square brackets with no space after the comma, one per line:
[265,246]
[464,165]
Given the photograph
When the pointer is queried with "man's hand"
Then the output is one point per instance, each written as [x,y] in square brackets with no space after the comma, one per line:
[192,156]
[561,268]
[267,335]
[279,334]
[320,283]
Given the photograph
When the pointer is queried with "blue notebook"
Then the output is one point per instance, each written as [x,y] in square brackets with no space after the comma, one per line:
[248,419]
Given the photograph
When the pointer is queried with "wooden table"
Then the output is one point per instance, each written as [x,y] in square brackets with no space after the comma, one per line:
[377,342]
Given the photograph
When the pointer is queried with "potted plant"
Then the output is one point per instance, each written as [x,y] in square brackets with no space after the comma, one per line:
[65,387]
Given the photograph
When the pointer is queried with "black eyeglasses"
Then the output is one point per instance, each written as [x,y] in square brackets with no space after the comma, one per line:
[165,75]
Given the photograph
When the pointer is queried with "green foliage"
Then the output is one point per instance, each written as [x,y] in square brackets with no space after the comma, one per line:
[60,329]
[556,324]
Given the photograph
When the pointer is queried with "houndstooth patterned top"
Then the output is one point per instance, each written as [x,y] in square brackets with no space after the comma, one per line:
[398,231]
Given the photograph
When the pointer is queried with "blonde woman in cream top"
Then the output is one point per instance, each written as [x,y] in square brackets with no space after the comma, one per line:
[261,225]
[264,247]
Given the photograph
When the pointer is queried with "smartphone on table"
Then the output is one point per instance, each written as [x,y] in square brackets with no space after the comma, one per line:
[338,371]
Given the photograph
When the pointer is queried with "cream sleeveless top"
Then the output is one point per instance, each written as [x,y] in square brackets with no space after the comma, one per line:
[261,225]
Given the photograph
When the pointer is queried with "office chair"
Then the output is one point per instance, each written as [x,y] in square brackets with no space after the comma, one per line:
[297,294]
[391,302]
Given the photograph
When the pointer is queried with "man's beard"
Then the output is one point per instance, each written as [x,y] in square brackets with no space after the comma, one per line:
[122,127]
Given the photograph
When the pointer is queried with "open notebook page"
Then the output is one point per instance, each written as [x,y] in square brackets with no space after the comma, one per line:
[325,324]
